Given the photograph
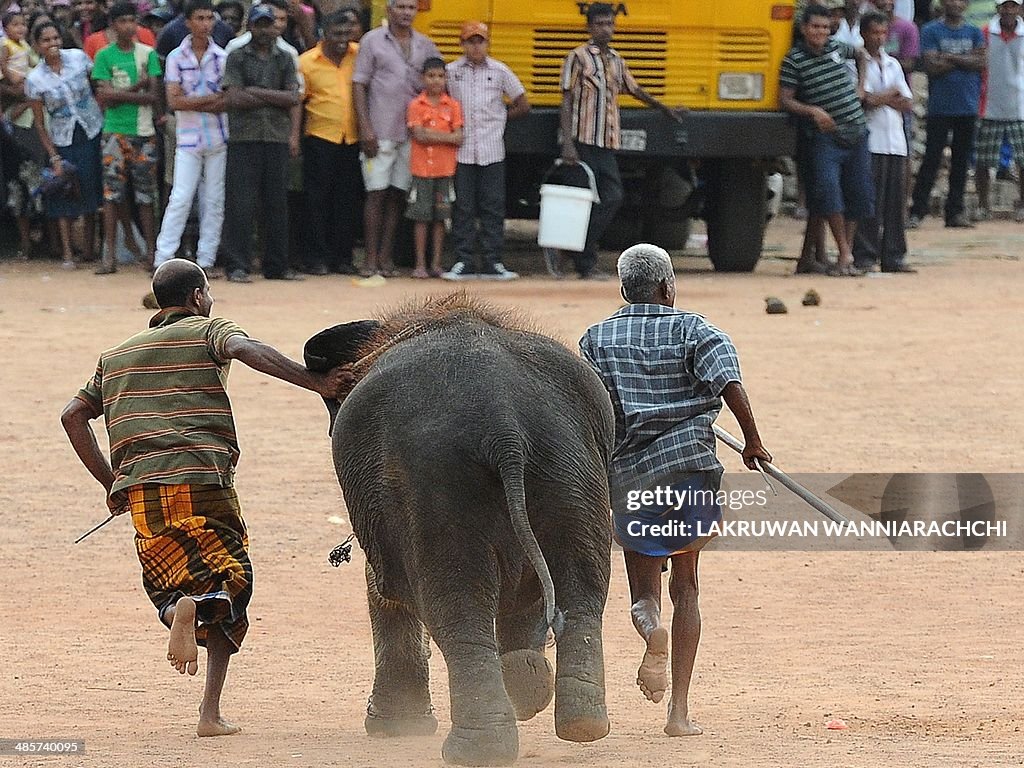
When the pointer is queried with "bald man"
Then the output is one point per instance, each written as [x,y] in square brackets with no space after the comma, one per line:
[173,453]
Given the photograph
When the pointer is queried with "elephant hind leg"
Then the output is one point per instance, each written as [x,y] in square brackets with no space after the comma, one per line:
[400,702]
[529,681]
[522,634]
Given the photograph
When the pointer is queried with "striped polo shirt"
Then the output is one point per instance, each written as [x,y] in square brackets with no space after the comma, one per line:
[822,80]
[595,82]
[162,395]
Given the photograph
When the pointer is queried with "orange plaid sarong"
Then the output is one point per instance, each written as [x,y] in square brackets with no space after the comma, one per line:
[192,542]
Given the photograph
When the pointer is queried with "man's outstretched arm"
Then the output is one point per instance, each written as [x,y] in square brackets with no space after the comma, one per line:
[265,359]
[75,419]
[736,398]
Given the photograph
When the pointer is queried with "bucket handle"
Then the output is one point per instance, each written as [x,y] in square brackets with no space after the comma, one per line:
[586,169]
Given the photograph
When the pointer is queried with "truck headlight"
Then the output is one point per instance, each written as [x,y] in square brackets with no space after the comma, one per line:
[740,86]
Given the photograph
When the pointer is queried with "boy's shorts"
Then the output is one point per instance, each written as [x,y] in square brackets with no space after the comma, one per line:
[430,199]
[388,168]
[124,155]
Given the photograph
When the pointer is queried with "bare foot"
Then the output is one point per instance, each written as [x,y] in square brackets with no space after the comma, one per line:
[216,727]
[682,727]
[652,677]
[182,651]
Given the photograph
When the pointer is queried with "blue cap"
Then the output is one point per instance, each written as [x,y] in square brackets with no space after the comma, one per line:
[260,12]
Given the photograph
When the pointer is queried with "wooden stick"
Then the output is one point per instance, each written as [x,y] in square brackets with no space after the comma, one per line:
[94,529]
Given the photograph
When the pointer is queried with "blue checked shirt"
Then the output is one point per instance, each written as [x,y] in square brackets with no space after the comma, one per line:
[665,371]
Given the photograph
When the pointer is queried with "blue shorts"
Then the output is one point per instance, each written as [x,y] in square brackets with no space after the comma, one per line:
[840,178]
[665,526]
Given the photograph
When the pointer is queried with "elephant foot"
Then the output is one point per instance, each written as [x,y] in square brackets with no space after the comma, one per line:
[581,729]
[529,681]
[481,746]
[407,725]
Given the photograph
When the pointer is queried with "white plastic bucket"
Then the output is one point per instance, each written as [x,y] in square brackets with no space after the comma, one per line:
[565,214]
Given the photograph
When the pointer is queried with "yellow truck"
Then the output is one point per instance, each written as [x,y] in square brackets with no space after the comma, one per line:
[719,59]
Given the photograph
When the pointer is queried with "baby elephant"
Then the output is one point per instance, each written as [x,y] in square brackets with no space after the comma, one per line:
[472,455]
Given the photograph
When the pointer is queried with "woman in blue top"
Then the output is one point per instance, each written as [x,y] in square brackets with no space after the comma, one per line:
[68,120]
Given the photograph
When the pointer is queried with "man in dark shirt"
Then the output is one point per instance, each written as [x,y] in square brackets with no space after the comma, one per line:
[261,88]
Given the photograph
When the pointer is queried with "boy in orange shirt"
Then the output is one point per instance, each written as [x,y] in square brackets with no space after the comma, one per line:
[435,124]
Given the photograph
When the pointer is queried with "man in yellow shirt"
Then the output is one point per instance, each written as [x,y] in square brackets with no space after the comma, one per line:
[332,178]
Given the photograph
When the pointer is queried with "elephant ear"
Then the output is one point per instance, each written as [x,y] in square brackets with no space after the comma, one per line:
[335,346]
[339,344]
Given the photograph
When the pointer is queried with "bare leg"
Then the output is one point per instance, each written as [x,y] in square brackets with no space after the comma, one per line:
[373,212]
[837,223]
[393,201]
[982,182]
[148,233]
[438,245]
[419,232]
[64,224]
[851,232]
[682,589]
[182,651]
[110,211]
[218,654]
[644,574]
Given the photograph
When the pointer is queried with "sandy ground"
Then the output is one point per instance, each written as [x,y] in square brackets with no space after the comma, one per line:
[919,653]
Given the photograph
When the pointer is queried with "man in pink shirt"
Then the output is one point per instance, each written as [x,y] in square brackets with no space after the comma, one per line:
[489,94]
[387,77]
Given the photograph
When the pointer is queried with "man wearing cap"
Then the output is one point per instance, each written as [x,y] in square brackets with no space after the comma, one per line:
[261,89]
[489,93]
[593,76]
[1001,111]
[387,78]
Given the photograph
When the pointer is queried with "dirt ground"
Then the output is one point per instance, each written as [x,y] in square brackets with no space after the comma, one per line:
[919,653]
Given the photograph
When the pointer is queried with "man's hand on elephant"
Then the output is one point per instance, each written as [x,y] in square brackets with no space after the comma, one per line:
[338,382]
[753,451]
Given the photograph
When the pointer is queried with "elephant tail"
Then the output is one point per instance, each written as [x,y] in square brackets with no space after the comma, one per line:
[510,468]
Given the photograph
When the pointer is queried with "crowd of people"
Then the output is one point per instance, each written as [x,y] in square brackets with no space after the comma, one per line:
[291,116]
[847,81]
[295,119]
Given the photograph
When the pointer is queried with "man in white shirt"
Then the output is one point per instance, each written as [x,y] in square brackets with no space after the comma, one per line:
[887,97]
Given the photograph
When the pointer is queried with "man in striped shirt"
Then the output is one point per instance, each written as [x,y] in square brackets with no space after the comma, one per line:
[173,452]
[194,72]
[667,372]
[815,86]
[593,76]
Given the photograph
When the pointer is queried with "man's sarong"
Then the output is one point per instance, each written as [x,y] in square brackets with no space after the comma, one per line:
[687,510]
[191,541]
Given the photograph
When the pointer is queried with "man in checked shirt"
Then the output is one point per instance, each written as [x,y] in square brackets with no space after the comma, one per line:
[667,372]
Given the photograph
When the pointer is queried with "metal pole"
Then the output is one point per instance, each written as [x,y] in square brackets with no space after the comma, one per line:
[819,504]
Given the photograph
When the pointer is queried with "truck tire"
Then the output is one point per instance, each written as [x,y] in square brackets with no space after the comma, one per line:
[735,210]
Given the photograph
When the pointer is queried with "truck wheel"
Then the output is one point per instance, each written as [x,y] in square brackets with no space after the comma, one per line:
[735,210]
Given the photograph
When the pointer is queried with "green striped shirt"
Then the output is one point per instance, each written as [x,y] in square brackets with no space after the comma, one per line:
[162,395]
[824,81]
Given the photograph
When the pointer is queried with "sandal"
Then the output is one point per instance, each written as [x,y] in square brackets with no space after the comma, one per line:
[420,274]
